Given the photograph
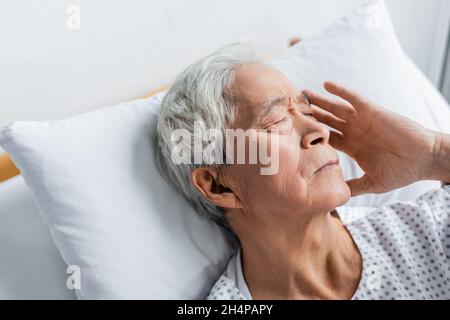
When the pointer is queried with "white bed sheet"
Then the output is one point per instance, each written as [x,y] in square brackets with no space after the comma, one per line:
[30,264]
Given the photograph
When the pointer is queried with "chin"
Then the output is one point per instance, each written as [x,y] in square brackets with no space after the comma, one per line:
[334,192]
[343,195]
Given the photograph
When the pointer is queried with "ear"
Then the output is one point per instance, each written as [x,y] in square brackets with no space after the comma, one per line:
[207,181]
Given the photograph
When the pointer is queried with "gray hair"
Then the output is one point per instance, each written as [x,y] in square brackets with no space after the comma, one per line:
[201,93]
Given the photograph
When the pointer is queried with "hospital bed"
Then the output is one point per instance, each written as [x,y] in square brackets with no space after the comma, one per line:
[145,51]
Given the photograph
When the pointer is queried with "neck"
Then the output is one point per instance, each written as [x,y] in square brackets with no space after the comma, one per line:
[314,258]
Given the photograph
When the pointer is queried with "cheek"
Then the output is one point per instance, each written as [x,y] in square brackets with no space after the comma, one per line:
[288,185]
[290,156]
[294,172]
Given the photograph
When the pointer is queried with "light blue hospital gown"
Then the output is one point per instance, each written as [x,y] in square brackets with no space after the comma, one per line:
[405,248]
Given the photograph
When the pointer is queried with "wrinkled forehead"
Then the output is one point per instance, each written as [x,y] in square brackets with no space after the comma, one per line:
[253,86]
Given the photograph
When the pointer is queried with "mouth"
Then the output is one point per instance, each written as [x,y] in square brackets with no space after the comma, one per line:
[329,165]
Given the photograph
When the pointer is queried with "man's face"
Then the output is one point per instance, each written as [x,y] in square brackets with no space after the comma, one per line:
[266,100]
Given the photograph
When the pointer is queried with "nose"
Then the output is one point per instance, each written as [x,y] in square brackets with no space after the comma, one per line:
[314,134]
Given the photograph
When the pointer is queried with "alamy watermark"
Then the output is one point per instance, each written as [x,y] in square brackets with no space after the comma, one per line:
[373,277]
[73,20]
[73,281]
[215,147]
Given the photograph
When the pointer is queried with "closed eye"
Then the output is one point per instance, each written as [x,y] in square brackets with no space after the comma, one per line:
[276,122]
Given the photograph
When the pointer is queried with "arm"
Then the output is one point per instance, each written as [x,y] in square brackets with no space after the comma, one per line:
[441,168]
[393,150]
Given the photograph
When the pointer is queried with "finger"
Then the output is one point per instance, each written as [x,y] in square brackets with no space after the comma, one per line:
[328,118]
[360,186]
[355,99]
[339,109]
[337,141]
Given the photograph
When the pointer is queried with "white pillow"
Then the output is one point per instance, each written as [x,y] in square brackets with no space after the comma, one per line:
[110,212]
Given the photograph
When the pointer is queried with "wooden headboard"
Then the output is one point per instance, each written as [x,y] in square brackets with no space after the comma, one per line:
[7,168]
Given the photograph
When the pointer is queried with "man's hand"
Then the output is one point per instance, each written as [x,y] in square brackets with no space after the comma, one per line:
[392,150]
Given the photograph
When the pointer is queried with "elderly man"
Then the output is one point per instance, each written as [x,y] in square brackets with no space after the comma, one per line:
[294,244]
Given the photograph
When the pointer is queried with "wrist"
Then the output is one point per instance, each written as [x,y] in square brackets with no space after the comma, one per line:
[440,169]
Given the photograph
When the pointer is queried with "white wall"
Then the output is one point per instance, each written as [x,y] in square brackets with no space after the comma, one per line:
[124,48]
[422,27]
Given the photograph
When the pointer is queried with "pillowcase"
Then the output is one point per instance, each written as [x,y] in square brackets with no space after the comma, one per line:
[110,212]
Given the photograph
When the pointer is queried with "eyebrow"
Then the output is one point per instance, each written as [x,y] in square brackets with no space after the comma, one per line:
[269,105]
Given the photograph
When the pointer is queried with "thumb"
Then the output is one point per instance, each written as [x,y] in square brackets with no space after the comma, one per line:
[360,185]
